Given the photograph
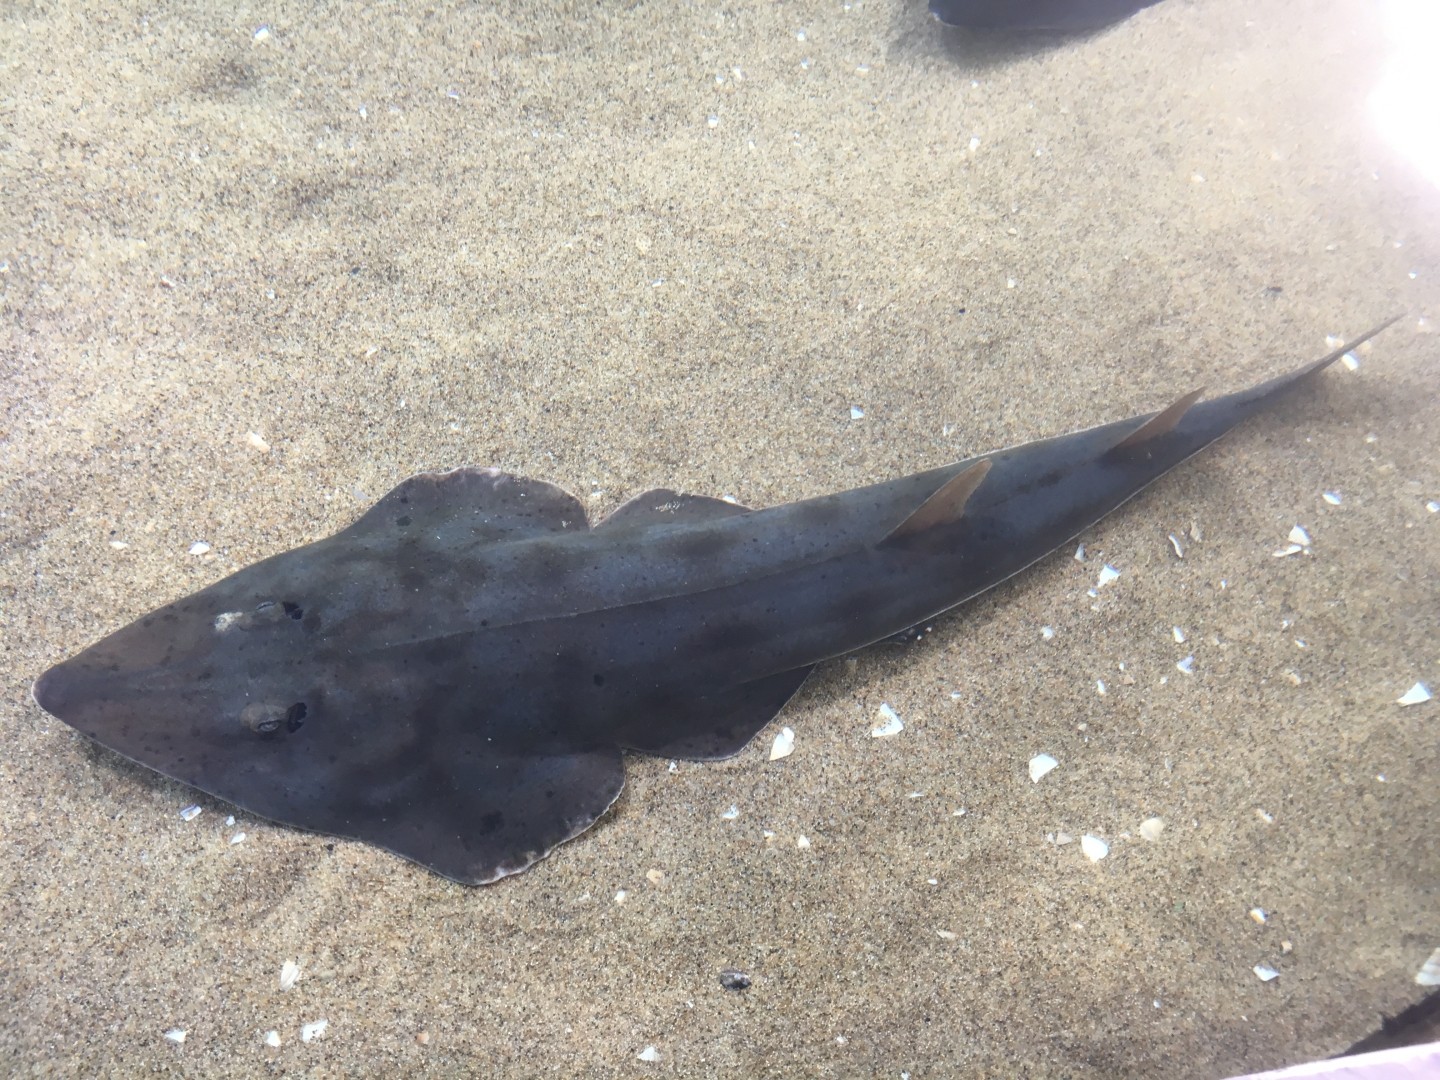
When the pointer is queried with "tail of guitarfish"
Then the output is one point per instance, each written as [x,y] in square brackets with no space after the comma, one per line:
[973,524]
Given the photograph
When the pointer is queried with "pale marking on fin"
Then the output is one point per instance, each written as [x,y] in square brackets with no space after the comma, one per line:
[1162,423]
[946,505]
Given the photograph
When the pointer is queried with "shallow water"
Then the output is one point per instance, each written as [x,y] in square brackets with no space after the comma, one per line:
[262,263]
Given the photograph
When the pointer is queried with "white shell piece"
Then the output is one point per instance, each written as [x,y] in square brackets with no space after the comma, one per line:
[272,1039]
[1175,543]
[313,1030]
[856,412]
[1332,497]
[1264,972]
[783,746]
[199,548]
[1178,635]
[176,1035]
[1415,695]
[289,974]
[1187,665]
[1151,828]
[1041,764]
[802,842]
[889,723]
[238,838]
[190,813]
[1429,973]
[1298,535]
[1259,915]
[1048,633]
[1094,848]
[649,1054]
[1107,574]
[1080,553]
[731,814]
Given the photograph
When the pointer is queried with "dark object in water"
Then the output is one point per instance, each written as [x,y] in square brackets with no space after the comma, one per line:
[1064,15]
[455,676]
[1418,1024]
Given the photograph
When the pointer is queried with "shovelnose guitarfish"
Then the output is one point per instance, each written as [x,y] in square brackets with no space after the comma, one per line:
[457,676]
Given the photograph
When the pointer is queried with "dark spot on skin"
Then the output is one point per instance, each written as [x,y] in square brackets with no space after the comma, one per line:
[295,611]
[599,680]
[490,822]
[403,520]
[295,717]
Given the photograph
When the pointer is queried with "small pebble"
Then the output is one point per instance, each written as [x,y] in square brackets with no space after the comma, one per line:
[734,979]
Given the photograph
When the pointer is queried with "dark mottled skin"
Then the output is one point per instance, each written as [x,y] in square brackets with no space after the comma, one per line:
[455,676]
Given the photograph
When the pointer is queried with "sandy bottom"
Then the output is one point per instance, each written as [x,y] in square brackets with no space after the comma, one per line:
[262,262]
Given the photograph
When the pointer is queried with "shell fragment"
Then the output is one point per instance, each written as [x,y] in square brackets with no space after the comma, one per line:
[1041,765]
[889,725]
[1416,695]
[1094,848]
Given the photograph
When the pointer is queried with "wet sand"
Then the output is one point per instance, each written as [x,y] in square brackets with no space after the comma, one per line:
[625,246]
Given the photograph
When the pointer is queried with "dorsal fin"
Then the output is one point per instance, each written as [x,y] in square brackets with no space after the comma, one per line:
[1162,423]
[946,505]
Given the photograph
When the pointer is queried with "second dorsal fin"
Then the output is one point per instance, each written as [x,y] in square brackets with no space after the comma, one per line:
[1162,423]
[946,505]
